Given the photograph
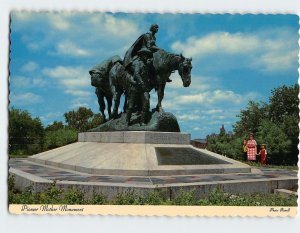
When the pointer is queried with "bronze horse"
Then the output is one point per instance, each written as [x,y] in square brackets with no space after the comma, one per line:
[166,63]
[120,81]
[99,79]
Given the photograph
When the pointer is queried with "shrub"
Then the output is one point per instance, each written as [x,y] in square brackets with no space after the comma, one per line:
[97,199]
[185,198]
[60,137]
[126,198]
[73,196]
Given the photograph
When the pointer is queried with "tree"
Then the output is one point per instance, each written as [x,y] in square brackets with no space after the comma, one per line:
[26,134]
[82,119]
[284,102]
[56,125]
[284,111]
[250,118]
[96,120]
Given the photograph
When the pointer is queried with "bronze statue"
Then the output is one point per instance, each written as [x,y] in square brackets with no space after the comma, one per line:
[145,67]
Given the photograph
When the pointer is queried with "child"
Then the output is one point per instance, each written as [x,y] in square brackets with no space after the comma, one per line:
[263,154]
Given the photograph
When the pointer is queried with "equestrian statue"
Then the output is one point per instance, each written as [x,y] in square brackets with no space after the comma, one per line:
[145,67]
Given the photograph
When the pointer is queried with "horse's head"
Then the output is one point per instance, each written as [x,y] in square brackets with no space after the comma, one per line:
[97,78]
[184,70]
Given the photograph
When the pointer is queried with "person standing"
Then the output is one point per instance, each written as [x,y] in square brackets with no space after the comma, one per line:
[263,154]
[251,148]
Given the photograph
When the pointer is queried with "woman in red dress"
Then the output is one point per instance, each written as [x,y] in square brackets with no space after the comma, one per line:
[251,148]
[263,154]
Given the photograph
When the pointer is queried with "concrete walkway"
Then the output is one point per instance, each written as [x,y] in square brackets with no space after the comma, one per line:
[58,174]
[264,180]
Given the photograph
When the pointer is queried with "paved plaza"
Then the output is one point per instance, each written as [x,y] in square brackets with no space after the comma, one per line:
[51,173]
[264,180]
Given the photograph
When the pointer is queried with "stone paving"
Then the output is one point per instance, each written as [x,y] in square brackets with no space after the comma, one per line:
[52,173]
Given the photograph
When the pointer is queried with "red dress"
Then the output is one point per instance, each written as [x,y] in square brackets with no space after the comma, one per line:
[263,156]
[251,150]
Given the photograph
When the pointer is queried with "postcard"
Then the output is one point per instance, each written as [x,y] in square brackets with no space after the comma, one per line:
[165,114]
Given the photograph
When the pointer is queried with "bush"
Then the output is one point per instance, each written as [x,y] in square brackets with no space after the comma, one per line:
[60,137]
[155,197]
[74,196]
[186,198]
[97,199]
[126,198]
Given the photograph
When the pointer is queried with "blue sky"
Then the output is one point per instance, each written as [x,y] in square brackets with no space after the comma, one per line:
[236,58]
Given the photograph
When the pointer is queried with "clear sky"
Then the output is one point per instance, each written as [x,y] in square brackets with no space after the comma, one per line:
[236,58]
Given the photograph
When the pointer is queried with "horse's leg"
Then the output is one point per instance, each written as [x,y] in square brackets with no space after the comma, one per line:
[109,104]
[160,95]
[125,102]
[131,98]
[101,103]
[117,97]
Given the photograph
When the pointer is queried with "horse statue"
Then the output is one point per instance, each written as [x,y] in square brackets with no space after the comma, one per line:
[112,79]
[163,65]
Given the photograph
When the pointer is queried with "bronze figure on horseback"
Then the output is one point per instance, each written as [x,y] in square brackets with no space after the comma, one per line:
[145,67]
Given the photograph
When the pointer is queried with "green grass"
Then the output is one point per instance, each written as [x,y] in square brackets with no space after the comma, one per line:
[186,198]
[258,165]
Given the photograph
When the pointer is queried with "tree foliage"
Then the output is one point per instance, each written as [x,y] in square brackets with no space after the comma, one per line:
[284,103]
[82,119]
[56,125]
[278,143]
[250,118]
[26,134]
[225,144]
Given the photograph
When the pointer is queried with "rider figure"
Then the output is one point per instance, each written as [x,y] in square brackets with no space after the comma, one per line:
[150,39]
[147,40]
[141,72]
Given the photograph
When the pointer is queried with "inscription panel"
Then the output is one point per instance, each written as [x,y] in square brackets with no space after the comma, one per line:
[135,137]
[112,137]
[184,156]
[167,138]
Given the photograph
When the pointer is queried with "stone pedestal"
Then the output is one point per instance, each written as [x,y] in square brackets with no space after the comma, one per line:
[140,153]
